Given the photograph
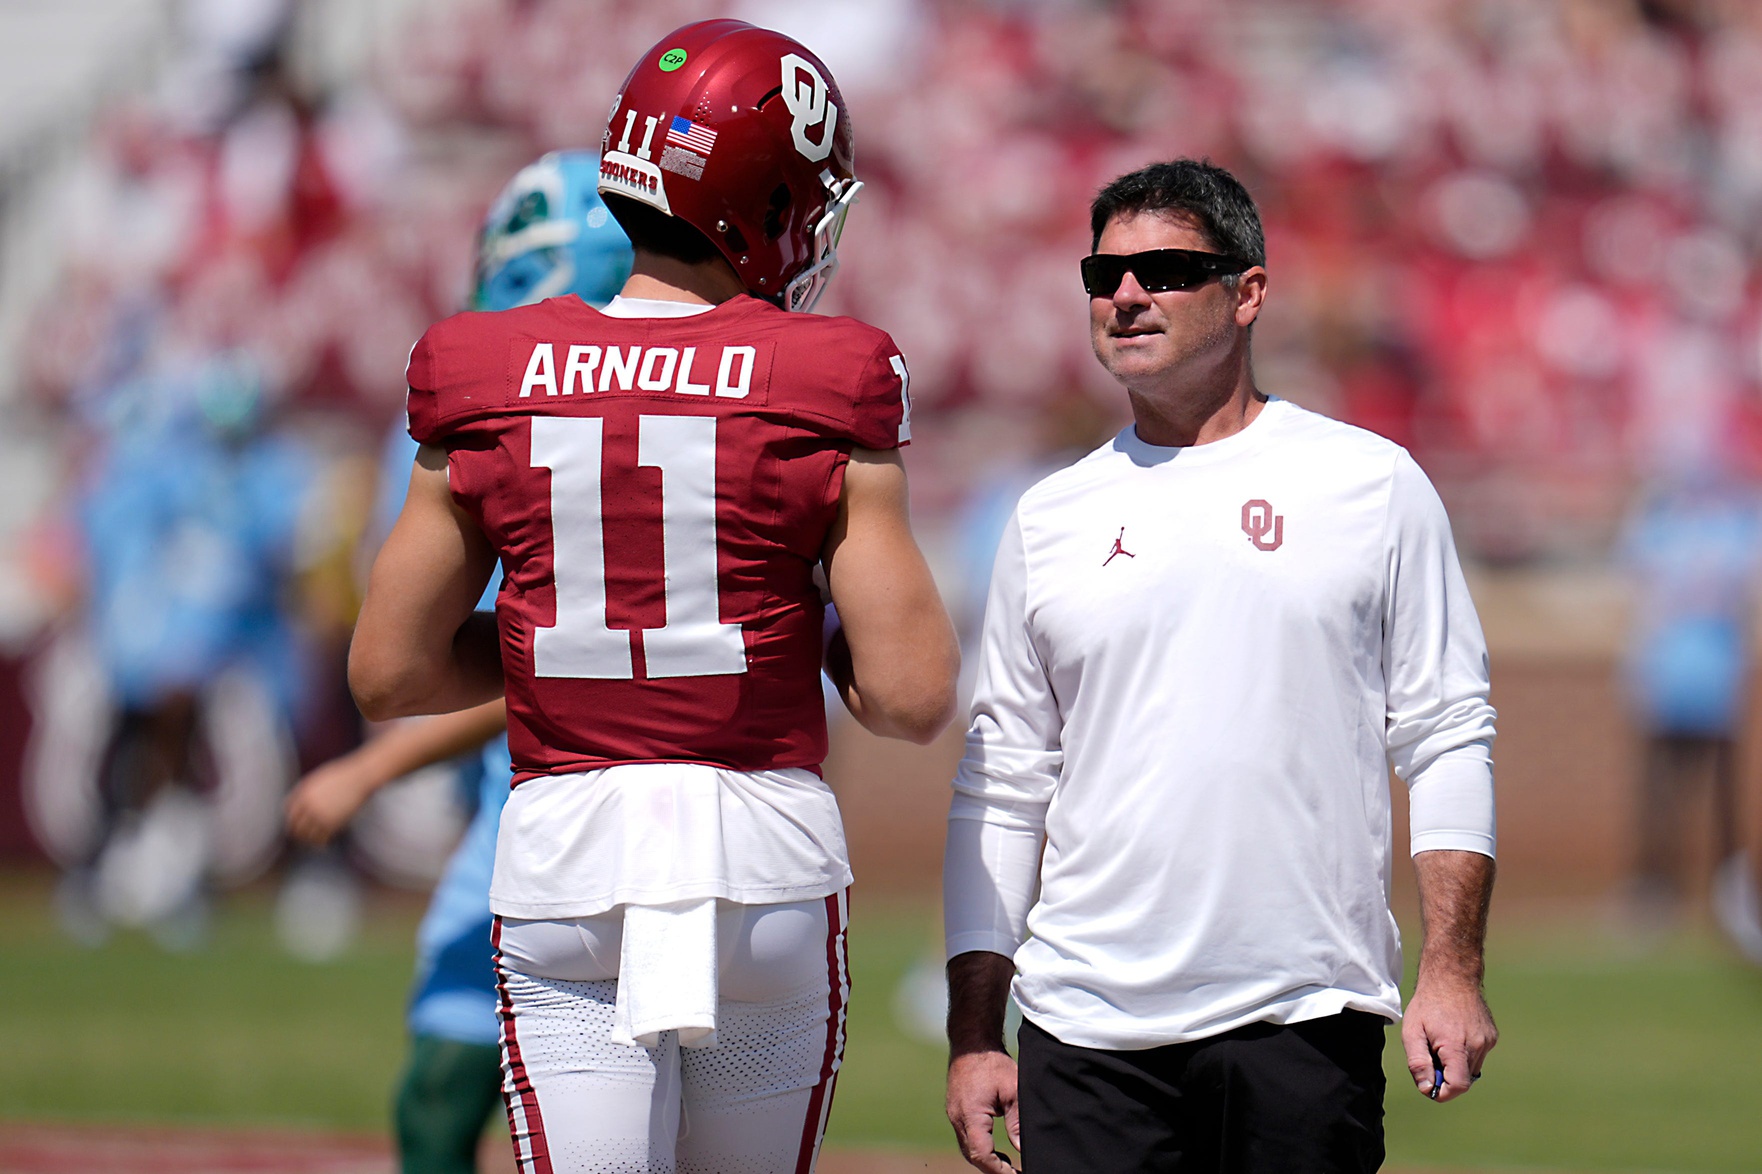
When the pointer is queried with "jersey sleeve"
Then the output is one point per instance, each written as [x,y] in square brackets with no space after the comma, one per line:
[423,375]
[455,374]
[881,409]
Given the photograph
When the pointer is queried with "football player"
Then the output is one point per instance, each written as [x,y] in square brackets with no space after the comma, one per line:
[660,481]
[546,235]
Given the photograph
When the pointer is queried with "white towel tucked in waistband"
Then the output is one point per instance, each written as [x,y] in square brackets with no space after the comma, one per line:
[667,975]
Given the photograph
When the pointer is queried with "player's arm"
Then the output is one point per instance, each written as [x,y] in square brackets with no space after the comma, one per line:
[896,658]
[327,798]
[419,646]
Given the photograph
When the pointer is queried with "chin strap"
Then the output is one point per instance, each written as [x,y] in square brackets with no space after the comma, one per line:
[803,293]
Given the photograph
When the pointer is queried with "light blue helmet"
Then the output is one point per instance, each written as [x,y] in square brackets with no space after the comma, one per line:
[549,234]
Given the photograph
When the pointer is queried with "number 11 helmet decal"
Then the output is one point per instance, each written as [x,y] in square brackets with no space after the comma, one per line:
[741,133]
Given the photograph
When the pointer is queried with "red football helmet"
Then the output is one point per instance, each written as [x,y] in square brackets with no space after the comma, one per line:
[741,133]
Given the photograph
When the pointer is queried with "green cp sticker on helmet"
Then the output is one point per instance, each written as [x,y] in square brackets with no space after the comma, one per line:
[672,59]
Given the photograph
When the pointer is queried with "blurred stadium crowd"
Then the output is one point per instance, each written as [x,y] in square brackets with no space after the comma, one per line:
[1517,236]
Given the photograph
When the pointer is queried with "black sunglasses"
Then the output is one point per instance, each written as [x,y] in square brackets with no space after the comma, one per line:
[1157,270]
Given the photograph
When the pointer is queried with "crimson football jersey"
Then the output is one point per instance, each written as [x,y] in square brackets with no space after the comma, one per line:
[659,491]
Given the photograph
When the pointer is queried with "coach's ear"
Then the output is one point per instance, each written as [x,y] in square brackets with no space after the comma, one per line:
[1250,295]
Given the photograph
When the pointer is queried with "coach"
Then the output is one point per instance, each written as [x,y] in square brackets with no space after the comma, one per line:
[1205,644]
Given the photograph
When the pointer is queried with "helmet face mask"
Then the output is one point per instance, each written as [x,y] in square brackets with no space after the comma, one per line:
[804,293]
[741,133]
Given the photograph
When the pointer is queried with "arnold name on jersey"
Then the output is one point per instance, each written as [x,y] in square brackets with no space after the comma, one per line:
[636,368]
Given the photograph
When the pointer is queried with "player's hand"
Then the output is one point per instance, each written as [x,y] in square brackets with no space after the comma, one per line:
[982,1087]
[1449,1028]
[322,802]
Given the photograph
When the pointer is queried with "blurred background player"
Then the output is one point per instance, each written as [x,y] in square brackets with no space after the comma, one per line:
[547,235]
[189,518]
[1694,550]
[671,872]
[198,524]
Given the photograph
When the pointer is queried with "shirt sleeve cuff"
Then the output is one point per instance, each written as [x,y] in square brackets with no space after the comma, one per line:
[1452,803]
[1454,841]
[991,943]
[990,878]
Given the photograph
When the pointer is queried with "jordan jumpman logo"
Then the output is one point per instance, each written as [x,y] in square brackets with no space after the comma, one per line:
[1118,548]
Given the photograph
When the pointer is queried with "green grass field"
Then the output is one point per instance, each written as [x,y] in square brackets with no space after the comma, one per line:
[1613,1058]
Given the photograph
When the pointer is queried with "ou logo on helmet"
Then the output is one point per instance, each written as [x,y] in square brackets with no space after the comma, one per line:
[809,102]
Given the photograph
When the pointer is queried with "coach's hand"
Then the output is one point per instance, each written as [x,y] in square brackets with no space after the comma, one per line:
[981,1088]
[981,1075]
[1447,1027]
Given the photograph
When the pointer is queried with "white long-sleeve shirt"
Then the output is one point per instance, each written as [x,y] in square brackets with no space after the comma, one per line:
[1197,667]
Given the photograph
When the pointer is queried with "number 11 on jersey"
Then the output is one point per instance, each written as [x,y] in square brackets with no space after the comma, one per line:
[694,642]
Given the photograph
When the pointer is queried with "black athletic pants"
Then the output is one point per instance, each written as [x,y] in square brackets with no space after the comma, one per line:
[1267,1098]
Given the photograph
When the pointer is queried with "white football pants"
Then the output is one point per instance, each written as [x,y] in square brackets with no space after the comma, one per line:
[755,1103]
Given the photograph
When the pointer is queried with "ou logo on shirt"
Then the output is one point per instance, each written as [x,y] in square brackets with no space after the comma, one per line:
[1259,521]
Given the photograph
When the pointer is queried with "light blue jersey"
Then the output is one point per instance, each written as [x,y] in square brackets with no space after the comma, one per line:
[1695,550]
[188,521]
[455,995]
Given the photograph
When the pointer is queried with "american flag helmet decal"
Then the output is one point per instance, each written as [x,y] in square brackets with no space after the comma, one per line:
[690,135]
